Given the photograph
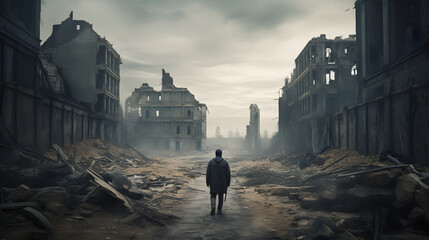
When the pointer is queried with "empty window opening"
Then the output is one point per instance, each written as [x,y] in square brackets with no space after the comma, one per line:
[188,130]
[78,27]
[157,113]
[177,129]
[346,50]
[332,75]
[328,52]
[189,113]
[354,70]
[147,113]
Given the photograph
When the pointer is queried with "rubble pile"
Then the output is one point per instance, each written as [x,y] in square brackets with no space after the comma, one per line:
[375,196]
[73,184]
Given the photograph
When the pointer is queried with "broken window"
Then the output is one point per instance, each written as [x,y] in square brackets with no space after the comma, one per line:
[140,111]
[147,98]
[78,27]
[188,130]
[177,129]
[189,113]
[147,114]
[157,113]
[314,82]
[327,78]
[159,98]
[354,70]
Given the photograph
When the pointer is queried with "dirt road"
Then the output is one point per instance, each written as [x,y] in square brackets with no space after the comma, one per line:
[237,221]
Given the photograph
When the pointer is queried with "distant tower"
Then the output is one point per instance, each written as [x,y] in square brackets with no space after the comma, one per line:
[237,134]
[253,134]
[230,134]
[265,134]
[217,134]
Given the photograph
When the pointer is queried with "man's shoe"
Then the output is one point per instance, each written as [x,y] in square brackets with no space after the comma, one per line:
[219,212]
[212,212]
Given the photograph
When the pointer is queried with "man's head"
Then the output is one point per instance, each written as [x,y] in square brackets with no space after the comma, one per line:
[218,153]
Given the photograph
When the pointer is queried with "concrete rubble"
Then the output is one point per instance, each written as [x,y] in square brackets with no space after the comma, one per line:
[73,185]
[374,198]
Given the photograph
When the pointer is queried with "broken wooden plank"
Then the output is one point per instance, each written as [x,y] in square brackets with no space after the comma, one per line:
[150,214]
[18,205]
[335,162]
[86,197]
[372,170]
[110,189]
[64,158]
[139,153]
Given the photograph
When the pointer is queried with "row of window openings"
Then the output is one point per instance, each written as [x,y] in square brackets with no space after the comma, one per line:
[188,130]
[148,98]
[147,113]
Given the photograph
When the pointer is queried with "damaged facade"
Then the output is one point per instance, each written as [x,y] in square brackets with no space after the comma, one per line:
[40,105]
[392,63]
[90,67]
[323,82]
[170,119]
[253,135]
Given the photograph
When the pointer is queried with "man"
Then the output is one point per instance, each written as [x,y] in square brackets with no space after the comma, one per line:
[218,178]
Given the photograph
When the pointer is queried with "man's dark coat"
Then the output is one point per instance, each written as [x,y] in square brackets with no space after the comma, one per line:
[218,175]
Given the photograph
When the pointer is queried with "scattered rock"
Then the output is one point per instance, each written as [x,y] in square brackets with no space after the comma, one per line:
[308,202]
[49,195]
[345,236]
[416,216]
[293,196]
[379,179]
[404,192]
[20,194]
[362,197]
[85,212]
[56,208]
[322,232]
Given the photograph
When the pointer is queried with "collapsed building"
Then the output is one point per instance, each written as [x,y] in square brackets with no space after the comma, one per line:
[170,119]
[323,82]
[392,64]
[41,102]
[253,135]
[90,67]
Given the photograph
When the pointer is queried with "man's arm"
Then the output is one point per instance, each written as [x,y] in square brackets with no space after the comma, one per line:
[228,175]
[208,175]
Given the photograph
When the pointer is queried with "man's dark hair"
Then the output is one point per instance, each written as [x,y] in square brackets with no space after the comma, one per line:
[218,153]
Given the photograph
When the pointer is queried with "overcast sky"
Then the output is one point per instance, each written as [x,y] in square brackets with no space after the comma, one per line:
[228,53]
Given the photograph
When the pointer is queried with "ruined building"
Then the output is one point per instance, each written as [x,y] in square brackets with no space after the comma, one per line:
[170,119]
[19,83]
[323,82]
[392,65]
[253,135]
[40,104]
[90,67]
